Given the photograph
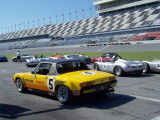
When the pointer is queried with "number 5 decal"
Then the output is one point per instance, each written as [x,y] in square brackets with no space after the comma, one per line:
[50,83]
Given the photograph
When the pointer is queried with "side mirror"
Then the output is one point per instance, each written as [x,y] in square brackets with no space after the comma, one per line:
[32,72]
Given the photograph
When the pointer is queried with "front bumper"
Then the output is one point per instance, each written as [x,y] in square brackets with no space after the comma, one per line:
[105,87]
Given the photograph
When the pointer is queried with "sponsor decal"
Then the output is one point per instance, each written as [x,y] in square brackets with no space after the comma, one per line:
[89,73]
[158,66]
[113,85]
[89,91]
[61,82]
[29,81]
[40,82]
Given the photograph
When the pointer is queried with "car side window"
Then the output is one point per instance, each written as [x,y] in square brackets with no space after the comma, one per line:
[43,69]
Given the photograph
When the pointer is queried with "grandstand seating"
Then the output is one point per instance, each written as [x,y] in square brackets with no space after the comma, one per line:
[140,18]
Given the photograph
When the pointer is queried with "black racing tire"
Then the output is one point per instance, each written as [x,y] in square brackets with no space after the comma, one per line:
[19,85]
[64,95]
[139,73]
[14,59]
[96,67]
[146,68]
[118,71]
[28,65]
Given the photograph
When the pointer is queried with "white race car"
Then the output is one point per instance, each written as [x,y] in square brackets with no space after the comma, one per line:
[153,66]
[23,58]
[119,66]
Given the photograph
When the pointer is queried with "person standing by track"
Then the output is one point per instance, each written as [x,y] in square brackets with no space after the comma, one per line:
[18,54]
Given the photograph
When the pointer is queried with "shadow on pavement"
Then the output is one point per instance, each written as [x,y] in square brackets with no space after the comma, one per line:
[11,111]
[105,101]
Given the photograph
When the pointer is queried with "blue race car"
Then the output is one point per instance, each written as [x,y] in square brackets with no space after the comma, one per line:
[3,58]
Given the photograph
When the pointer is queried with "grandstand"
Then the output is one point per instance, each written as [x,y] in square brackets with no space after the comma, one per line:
[118,21]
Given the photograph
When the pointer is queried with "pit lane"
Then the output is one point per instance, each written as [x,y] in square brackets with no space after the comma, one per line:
[135,97]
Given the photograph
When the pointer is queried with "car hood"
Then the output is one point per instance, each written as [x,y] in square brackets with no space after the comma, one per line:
[88,75]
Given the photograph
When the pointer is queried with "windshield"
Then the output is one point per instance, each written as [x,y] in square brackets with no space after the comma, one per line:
[70,67]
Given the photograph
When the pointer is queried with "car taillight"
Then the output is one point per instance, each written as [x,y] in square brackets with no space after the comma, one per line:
[86,84]
[112,78]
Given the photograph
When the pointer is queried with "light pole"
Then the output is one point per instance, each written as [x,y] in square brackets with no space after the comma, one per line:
[83,13]
[63,17]
[50,20]
[24,25]
[90,11]
[33,23]
[11,28]
[2,30]
[76,15]
[5,29]
[28,25]
[19,26]
[15,27]
[44,21]
[8,28]
[70,17]
[56,19]
[38,23]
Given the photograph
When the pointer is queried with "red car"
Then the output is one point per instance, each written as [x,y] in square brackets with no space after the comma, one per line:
[104,58]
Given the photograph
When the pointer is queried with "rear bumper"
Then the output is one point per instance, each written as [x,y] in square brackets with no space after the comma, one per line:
[105,87]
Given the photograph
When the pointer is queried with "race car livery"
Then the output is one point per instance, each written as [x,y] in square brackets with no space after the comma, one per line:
[65,79]
[152,66]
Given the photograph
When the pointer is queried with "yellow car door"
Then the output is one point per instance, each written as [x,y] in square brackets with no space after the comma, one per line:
[40,76]
[29,80]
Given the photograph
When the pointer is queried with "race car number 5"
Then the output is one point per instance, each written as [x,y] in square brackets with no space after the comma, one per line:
[50,84]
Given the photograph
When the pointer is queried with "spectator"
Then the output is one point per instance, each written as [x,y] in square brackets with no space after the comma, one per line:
[41,56]
[18,54]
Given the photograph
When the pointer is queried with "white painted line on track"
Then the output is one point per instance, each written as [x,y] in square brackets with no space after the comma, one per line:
[157,118]
[143,98]
[4,71]
[103,48]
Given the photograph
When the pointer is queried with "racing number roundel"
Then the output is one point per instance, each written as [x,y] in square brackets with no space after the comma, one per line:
[158,66]
[50,83]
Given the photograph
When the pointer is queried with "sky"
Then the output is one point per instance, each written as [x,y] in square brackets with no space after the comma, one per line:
[26,14]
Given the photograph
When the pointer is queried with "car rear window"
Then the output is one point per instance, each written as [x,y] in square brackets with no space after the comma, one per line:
[70,67]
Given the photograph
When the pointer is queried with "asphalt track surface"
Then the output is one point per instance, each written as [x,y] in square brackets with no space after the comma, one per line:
[135,98]
[67,49]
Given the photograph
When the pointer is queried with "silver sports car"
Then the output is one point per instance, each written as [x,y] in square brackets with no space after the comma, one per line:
[153,66]
[119,66]
[35,61]
[85,59]
[23,58]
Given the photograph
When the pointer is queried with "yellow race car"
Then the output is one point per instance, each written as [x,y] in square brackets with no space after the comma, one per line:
[65,79]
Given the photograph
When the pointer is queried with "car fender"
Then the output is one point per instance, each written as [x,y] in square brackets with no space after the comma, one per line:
[65,81]
[18,75]
[122,65]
